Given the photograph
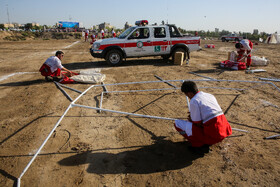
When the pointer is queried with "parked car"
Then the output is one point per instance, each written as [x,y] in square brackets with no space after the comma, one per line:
[231,37]
[144,40]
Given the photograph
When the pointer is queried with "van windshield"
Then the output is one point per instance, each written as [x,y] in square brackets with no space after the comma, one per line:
[126,32]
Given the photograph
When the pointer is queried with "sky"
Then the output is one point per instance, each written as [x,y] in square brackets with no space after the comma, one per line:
[233,16]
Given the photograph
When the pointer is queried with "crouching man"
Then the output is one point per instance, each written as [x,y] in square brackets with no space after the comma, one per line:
[206,123]
[52,67]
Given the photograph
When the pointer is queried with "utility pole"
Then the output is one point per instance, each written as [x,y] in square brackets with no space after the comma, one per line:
[8,14]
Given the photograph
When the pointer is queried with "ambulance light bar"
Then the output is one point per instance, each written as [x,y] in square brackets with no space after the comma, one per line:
[141,22]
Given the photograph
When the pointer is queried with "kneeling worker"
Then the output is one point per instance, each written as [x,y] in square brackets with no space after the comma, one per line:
[52,67]
[242,47]
[207,123]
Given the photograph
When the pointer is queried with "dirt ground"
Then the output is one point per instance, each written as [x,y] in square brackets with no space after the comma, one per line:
[107,149]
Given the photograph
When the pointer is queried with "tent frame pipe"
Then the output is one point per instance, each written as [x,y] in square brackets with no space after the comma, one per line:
[274,136]
[155,117]
[202,76]
[68,87]
[63,91]
[119,112]
[41,147]
[105,89]
[164,89]
[133,114]
[45,141]
[165,81]
[195,80]
[101,100]
[269,79]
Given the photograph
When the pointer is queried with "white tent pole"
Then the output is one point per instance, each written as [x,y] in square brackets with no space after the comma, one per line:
[101,100]
[40,148]
[195,80]
[132,114]
[274,136]
[119,112]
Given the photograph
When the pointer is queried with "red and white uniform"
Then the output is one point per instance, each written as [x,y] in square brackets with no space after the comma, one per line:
[247,47]
[86,35]
[204,109]
[113,33]
[102,33]
[92,37]
[51,67]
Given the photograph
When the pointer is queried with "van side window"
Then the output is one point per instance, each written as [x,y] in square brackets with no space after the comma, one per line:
[159,32]
[174,32]
[140,33]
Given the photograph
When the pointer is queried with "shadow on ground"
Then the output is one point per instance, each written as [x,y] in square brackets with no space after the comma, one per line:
[161,156]
[128,62]
[25,83]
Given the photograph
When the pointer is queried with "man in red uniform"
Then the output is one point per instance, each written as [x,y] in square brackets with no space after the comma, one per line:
[207,123]
[242,47]
[86,35]
[51,68]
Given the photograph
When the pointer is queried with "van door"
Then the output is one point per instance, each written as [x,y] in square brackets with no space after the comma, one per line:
[161,42]
[139,43]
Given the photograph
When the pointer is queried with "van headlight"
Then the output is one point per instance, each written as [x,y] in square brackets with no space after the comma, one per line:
[96,45]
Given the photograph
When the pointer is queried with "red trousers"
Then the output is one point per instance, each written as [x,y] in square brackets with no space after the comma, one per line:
[240,55]
[46,71]
[213,131]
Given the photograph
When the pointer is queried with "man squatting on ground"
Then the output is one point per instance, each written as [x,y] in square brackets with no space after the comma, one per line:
[206,123]
[52,67]
[242,47]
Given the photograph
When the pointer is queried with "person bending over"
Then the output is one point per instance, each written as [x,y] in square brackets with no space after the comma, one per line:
[242,47]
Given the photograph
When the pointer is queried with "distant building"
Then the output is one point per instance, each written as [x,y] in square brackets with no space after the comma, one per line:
[9,25]
[256,31]
[216,30]
[104,25]
[35,24]
[95,27]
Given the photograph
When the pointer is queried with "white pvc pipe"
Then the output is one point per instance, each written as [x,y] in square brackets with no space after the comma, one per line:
[82,94]
[269,79]
[39,150]
[68,87]
[139,115]
[101,102]
[147,116]
[119,112]
[195,80]
[235,129]
[202,76]
[41,147]
[164,89]
[274,136]
[165,82]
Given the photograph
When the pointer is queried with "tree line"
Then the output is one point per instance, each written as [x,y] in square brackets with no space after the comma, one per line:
[212,34]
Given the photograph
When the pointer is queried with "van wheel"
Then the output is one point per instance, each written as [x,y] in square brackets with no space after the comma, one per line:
[178,50]
[223,39]
[114,57]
